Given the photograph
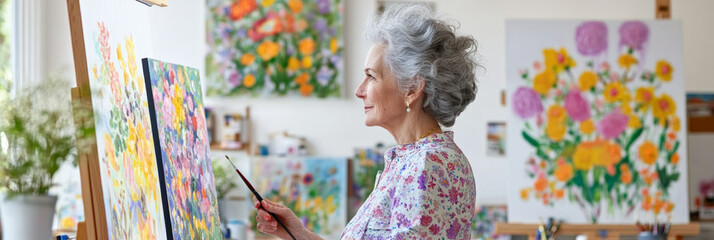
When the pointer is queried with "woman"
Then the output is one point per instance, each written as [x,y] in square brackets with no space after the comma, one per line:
[418,75]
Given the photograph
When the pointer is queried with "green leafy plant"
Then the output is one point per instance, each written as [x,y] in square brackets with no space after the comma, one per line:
[38,134]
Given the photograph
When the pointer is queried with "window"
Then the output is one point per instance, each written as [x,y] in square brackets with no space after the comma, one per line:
[6,58]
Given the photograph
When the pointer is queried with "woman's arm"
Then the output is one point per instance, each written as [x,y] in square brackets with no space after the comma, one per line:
[267,224]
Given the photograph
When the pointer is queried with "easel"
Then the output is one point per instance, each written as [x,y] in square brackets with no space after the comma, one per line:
[593,231]
[95,224]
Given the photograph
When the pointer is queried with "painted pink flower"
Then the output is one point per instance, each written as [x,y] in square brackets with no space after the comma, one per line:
[537,65]
[605,66]
[613,124]
[634,34]
[576,106]
[614,76]
[104,43]
[591,38]
[526,103]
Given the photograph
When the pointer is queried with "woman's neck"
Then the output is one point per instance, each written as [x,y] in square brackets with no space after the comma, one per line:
[415,125]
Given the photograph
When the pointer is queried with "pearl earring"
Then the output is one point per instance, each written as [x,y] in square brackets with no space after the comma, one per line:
[408,108]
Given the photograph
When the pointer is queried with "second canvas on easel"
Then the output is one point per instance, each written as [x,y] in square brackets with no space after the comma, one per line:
[182,147]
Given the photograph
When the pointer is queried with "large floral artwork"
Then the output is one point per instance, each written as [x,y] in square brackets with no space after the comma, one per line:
[366,165]
[314,188]
[129,180]
[598,109]
[181,139]
[274,48]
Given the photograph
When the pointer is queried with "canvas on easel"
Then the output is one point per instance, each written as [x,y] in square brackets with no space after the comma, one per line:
[120,188]
[181,141]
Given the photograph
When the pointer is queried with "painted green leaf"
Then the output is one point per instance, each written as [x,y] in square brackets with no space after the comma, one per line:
[635,135]
[531,140]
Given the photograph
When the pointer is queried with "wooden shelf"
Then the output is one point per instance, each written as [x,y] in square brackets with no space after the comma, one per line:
[614,231]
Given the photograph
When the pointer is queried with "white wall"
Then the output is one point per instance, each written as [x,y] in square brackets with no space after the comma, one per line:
[334,127]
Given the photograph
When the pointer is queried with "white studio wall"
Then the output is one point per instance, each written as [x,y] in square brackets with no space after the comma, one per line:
[334,127]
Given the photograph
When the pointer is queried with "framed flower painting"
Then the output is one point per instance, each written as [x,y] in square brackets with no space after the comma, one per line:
[274,48]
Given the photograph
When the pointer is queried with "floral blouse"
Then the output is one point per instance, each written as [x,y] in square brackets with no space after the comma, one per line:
[427,190]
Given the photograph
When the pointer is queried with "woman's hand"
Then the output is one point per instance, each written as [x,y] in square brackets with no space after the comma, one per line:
[267,224]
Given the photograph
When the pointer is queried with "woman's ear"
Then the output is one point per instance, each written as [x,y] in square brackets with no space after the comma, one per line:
[416,92]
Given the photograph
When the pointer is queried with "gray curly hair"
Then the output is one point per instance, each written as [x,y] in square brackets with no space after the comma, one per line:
[420,47]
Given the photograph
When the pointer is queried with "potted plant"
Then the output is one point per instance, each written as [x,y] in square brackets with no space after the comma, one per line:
[223,177]
[37,134]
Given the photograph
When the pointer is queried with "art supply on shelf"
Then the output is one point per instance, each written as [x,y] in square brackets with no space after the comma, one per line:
[260,199]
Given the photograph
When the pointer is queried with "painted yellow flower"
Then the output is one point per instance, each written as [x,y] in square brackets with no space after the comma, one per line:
[293,64]
[307,62]
[249,80]
[556,113]
[543,82]
[268,50]
[644,97]
[648,152]
[674,123]
[634,122]
[626,61]
[557,61]
[587,80]
[587,126]
[664,70]
[598,152]
[130,56]
[333,45]
[306,46]
[247,59]
[525,192]
[663,106]
[614,91]
[555,130]
[267,3]
[295,5]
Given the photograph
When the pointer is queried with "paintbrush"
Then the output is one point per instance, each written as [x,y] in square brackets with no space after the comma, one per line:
[260,199]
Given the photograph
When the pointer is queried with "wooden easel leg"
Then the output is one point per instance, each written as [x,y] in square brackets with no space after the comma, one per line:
[81,231]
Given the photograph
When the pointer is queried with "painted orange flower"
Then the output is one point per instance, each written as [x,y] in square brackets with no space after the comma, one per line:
[587,80]
[268,50]
[559,194]
[626,61]
[247,59]
[563,172]
[306,89]
[240,8]
[674,159]
[625,174]
[295,5]
[302,79]
[664,70]
[648,152]
[556,113]
[306,46]
[663,106]
[249,80]
[543,82]
[540,184]
[647,203]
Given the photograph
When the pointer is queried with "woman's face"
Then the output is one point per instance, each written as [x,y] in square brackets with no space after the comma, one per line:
[383,103]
